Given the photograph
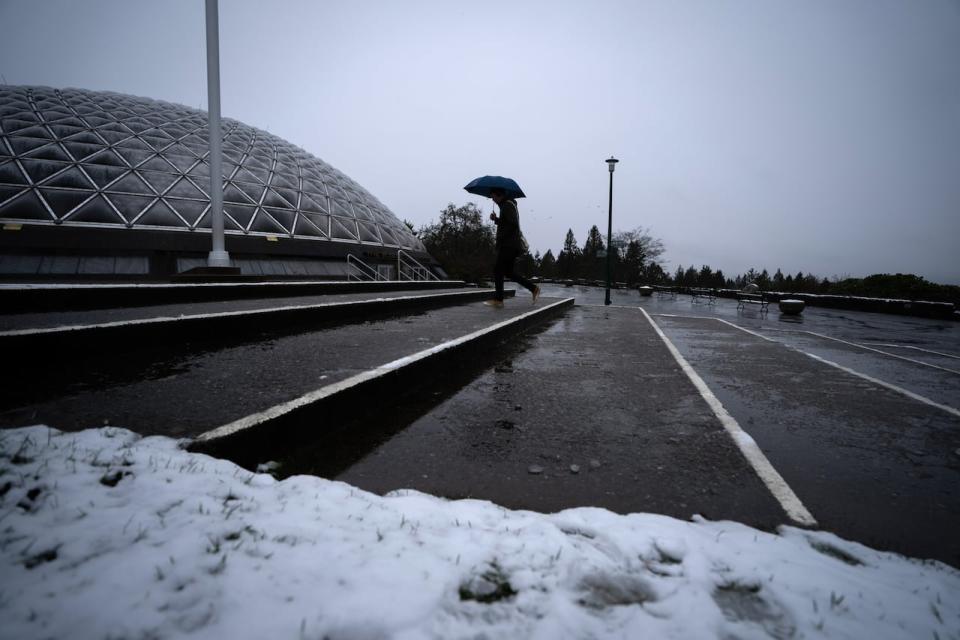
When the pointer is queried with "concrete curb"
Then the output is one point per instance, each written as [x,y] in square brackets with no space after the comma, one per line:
[39,297]
[80,339]
[260,436]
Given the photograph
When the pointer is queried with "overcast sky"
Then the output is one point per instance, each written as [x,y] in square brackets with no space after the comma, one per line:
[820,135]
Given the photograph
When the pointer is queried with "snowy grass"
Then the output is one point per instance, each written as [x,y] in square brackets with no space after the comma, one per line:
[104,534]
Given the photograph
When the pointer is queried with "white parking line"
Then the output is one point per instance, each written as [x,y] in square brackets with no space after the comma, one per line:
[910,346]
[888,385]
[748,446]
[889,355]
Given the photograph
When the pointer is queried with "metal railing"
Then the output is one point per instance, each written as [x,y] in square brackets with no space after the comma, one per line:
[409,269]
[363,271]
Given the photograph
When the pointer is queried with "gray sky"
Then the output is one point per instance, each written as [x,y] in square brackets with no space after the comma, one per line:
[815,135]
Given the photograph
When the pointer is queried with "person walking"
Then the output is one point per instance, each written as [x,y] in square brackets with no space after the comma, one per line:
[509,247]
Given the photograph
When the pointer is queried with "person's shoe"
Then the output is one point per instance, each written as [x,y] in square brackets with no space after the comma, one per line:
[536,294]
[494,303]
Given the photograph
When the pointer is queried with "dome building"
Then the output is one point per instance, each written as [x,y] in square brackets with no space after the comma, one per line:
[101,184]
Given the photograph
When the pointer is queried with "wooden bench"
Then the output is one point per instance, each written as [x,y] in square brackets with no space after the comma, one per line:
[703,295]
[743,299]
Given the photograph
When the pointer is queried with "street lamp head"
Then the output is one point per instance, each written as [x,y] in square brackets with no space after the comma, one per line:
[612,163]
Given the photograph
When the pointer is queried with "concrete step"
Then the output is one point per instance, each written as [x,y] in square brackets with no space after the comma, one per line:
[24,298]
[65,336]
[188,388]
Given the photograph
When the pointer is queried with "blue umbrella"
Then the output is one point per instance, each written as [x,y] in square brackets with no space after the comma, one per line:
[483,186]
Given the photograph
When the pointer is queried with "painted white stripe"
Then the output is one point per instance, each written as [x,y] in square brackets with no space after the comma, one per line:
[877,381]
[889,355]
[227,314]
[748,446]
[365,376]
[910,346]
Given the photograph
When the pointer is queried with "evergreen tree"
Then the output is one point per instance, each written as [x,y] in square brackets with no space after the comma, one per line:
[461,242]
[548,265]
[777,281]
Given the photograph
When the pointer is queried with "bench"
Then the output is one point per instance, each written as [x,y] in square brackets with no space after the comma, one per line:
[665,291]
[743,299]
[703,295]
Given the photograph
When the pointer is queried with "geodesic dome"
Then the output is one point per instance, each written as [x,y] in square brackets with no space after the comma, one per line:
[94,159]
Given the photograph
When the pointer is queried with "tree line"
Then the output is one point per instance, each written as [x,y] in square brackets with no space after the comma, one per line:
[465,244]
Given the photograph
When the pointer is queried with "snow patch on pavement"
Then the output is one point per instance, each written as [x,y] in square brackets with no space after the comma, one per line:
[104,533]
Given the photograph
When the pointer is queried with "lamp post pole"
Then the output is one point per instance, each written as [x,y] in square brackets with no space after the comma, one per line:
[218,256]
[612,163]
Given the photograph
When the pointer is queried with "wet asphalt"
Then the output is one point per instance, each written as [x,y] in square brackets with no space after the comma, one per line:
[588,410]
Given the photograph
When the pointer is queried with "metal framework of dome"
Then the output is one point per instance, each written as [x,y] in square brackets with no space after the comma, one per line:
[100,159]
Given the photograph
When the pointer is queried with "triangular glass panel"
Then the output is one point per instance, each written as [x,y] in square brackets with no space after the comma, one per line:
[229,224]
[245,176]
[157,163]
[115,127]
[113,137]
[19,123]
[362,212]
[96,120]
[261,175]
[232,194]
[189,210]
[309,204]
[32,131]
[182,162]
[64,117]
[283,216]
[51,151]
[63,201]
[23,146]
[184,189]
[71,178]
[340,209]
[158,180]
[273,199]
[306,227]
[290,195]
[98,211]
[86,137]
[130,206]
[368,232]
[264,223]
[133,156]
[285,181]
[9,192]
[39,170]
[252,191]
[10,174]
[26,207]
[80,150]
[387,236]
[133,142]
[242,215]
[343,229]
[63,131]
[130,183]
[106,157]
[104,174]
[160,215]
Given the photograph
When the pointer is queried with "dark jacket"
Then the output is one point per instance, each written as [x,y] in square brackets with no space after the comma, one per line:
[508,227]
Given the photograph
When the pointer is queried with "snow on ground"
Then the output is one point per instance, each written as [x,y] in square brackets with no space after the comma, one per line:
[104,534]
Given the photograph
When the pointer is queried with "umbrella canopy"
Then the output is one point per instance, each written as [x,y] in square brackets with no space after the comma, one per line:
[483,186]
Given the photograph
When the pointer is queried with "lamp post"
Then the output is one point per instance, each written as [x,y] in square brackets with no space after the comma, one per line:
[218,256]
[612,163]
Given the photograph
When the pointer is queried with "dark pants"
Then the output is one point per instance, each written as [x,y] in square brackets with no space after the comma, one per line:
[504,268]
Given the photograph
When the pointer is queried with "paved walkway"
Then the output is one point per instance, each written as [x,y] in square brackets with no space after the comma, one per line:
[593,411]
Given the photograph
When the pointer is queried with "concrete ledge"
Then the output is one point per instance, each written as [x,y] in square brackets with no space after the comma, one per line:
[260,436]
[62,343]
[45,297]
